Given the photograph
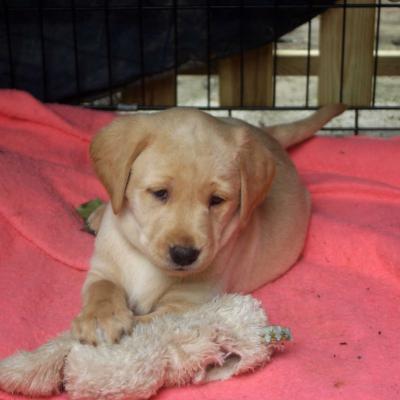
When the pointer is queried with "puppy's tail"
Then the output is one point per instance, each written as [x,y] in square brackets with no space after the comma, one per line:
[36,373]
[296,132]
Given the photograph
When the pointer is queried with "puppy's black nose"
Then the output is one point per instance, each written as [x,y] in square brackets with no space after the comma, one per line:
[181,255]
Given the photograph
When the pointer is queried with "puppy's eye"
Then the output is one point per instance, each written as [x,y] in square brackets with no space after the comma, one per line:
[161,194]
[215,201]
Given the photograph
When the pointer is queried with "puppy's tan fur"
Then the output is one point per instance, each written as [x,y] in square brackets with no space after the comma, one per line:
[255,235]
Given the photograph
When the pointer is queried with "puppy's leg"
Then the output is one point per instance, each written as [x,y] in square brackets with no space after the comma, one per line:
[162,309]
[180,298]
[105,315]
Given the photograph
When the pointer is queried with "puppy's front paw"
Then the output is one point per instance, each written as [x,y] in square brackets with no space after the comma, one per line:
[103,323]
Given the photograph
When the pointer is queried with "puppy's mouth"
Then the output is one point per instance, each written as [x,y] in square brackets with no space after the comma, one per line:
[173,269]
[180,270]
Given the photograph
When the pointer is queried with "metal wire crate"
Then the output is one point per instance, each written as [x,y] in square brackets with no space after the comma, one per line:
[140,55]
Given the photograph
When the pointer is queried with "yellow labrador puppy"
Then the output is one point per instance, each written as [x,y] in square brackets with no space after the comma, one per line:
[199,206]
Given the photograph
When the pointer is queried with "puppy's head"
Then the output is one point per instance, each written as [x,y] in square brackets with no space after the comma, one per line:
[181,183]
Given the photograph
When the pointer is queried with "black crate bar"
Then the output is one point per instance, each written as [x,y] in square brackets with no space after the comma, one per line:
[43,49]
[75,43]
[294,4]
[141,53]
[377,36]
[308,65]
[274,54]
[241,54]
[108,48]
[9,44]
[208,53]
[356,118]
[176,50]
[342,51]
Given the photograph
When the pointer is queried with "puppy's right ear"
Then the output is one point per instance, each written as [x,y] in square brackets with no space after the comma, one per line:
[257,170]
[113,150]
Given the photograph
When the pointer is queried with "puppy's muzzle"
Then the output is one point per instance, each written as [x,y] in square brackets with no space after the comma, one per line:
[183,256]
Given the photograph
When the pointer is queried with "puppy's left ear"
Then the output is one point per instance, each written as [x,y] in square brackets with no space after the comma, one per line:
[257,170]
[113,151]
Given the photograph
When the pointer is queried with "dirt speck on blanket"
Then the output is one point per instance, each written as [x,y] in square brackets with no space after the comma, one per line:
[345,288]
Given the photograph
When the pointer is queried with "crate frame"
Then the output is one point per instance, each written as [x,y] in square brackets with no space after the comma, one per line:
[352,20]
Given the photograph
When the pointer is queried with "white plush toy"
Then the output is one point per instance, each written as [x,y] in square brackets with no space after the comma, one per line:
[227,336]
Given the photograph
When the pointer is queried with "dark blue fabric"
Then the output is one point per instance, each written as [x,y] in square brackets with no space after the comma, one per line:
[59,72]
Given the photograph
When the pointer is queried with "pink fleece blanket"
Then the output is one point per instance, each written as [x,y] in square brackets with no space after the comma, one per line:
[342,300]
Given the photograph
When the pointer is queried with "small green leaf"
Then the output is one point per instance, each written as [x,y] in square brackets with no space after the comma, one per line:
[86,209]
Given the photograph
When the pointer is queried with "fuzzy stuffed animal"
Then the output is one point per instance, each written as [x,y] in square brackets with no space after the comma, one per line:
[225,337]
